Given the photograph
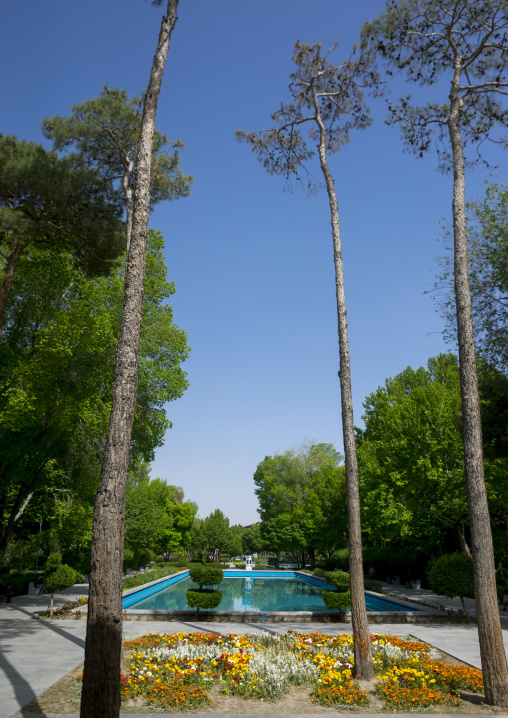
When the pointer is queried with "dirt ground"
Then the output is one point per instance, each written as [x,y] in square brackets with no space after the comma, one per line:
[64,697]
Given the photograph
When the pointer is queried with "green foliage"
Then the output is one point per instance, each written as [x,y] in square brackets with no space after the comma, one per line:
[336,601]
[141,578]
[434,44]
[302,499]
[105,132]
[18,581]
[61,578]
[488,276]
[340,559]
[410,455]
[319,572]
[53,562]
[206,574]
[56,375]
[452,575]
[339,579]
[252,541]
[203,598]
[341,597]
[56,204]
[372,586]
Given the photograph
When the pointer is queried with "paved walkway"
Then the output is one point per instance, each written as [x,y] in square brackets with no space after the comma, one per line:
[36,654]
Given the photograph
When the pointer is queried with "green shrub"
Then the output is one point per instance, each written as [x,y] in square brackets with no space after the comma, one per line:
[319,572]
[203,598]
[18,581]
[337,601]
[341,597]
[452,575]
[78,558]
[340,559]
[372,585]
[340,579]
[141,578]
[61,578]
[136,558]
[206,574]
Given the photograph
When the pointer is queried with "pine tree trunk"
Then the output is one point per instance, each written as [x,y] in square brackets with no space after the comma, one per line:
[362,646]
[494,666]
[101,678]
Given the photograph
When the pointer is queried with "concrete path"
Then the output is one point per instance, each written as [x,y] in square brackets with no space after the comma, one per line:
[36,654]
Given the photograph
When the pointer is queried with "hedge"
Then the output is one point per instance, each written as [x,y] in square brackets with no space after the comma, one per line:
[141,578]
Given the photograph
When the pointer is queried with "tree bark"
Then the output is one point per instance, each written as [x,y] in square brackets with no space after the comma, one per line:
[494,666]
[5,288]
[129,201]
[101,677]
[362,646]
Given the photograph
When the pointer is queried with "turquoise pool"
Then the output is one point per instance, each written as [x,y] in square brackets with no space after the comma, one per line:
[256,591]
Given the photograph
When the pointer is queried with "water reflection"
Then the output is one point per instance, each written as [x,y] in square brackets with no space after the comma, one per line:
[255,594]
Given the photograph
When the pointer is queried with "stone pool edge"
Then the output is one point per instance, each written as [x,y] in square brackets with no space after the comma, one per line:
[417,616]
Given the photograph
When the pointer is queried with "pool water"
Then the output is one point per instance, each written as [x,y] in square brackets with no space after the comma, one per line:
[255,594]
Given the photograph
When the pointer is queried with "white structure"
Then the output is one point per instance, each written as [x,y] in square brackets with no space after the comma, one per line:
[248,563]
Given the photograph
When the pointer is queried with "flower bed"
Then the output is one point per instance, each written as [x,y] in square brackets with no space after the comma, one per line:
[178,670]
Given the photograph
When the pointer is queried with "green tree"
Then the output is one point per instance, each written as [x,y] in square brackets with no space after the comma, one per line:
[252,541]
[101,690]
[56,378]
[105,132]
[464,44]
[302,489]
[411,462]
[329,100]
[52,203]
[411,456]
[154,523]
[488,276]
[58,577]
[216,531]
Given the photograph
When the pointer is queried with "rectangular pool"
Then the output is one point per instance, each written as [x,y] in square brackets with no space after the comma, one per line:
[263,591]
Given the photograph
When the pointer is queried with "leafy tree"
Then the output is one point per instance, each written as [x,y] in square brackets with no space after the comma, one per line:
[216,531]
[252,541]
[463,43]
[452,575]
[329,99]
[52,203]
[488,276]
[56,379]
[411,455]
[153,521]
[236,534]
[58,577]
[301,499]
[411,463]
[105,133]
[101,689]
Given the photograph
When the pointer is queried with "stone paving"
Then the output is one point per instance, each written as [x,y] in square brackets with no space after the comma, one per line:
[36,654]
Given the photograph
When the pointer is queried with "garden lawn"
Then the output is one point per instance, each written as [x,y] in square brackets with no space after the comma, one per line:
[290,673]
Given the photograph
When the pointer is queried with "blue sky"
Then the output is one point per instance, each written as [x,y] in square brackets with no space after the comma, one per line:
[253,265]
